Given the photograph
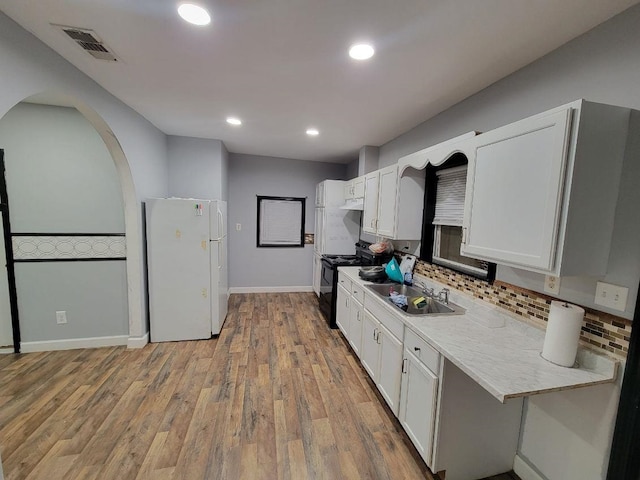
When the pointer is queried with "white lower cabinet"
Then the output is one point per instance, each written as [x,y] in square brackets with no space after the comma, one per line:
[418,402]
[343,301]
[381,356]
[356,315]
[390,368]
[370,353]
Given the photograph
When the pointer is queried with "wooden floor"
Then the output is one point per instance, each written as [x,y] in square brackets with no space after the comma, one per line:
[277,396]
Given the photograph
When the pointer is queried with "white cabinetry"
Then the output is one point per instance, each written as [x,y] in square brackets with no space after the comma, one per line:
[358,187]
[541,192]
[356,317]
[393,200]
[317,272]
[342,310]
[419,393]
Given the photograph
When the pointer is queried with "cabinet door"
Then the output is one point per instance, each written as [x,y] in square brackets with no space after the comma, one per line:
[358,187]
[320,194]
[514,192]
[355,326]
[348,190]
[390,368]
[342,310]
[317,273]
[387,201]
[369,352]
[370,212]
[418,403]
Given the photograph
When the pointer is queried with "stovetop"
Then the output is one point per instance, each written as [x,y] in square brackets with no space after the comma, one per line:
[343,260]
[363,256]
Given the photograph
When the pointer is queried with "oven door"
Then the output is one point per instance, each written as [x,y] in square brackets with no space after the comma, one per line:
[327,287]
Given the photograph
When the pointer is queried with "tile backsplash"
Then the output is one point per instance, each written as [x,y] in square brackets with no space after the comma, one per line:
[600,331]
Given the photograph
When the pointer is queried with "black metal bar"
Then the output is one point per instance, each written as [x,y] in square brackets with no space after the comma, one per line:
[8,249]
[54,260]
[40,234]
[624,461]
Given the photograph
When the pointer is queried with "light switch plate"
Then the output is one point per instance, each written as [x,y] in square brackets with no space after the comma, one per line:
[238,227]
[552,284]
[61,317]
[612,296]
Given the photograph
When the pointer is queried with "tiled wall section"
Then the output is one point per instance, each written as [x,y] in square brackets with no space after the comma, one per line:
[600,330]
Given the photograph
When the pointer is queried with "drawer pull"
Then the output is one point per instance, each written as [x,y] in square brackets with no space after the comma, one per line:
[404,365]
[416,349]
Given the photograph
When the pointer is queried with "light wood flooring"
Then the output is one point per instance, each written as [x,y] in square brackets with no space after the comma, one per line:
[277,396]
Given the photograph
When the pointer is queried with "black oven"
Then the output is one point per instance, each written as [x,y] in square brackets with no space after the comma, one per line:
[329,278]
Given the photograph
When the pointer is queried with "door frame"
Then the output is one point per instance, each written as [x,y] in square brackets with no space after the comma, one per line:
[8,248]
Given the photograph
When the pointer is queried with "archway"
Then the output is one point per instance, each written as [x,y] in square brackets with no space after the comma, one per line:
[131,213]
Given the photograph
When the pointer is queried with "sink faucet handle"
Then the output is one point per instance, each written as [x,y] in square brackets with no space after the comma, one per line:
[428,291]
[443,296]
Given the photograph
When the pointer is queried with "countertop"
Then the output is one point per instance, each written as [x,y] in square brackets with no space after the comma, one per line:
[499,352]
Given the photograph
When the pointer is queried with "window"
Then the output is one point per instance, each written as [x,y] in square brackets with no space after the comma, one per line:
[443,214]
[280,221]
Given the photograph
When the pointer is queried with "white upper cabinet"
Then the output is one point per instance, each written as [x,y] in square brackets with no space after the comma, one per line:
[370,212]
[541,193]
[358,187]
[393,203]
[348,190]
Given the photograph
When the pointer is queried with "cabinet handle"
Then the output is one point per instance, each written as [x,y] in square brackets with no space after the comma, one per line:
[374,334]
[346,302]
[378,338]
[372,223]
[404,365]
[464,235]
[416,349]
[358,315]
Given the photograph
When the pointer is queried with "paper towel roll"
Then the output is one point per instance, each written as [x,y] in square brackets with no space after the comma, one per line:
[563,333]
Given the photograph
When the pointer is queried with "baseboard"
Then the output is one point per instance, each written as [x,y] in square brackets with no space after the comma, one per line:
[524,470]
[138,342]
[270,289]
[73,343]
[4,351]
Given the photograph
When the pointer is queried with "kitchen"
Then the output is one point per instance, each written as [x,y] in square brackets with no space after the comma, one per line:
[585,62]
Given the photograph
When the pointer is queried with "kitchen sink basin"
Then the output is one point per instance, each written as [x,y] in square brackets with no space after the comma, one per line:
[432,307]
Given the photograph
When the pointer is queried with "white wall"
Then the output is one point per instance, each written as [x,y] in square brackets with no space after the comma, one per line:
[252,175]
[197,168]
[29,67]
[565,436]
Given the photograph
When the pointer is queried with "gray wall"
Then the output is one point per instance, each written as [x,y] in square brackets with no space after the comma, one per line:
[602,66]
[565,435]
[29,67]
[352,169]
[251,175]
[61,179]
[197,168]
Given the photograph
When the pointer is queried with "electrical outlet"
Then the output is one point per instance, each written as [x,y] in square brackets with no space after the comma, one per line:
[238,227]
[612,296]
[552,284]
[61,317]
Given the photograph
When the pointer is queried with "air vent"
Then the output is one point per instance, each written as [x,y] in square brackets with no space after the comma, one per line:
[89,42]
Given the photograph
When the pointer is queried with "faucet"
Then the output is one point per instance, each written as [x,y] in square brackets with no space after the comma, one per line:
[443,296]
[428,291]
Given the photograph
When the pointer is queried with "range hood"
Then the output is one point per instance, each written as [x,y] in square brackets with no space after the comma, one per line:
[355,204]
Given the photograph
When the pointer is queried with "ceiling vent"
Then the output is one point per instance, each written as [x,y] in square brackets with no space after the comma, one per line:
[89,42]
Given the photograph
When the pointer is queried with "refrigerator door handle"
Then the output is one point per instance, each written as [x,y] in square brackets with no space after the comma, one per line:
[220,224]
[219,253]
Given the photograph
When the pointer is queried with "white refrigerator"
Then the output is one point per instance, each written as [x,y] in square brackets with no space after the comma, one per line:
[187,265]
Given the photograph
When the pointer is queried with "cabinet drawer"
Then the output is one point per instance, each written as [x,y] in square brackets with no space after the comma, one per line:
[393,324]
[344,281]
[358,292]
[421,349]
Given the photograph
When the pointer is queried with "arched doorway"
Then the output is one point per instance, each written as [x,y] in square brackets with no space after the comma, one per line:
[130,231]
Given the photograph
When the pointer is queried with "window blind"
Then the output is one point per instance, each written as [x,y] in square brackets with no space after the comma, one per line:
[280,221]
[450,194]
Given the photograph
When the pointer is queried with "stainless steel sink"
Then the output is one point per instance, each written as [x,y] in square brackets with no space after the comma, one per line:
[433,306]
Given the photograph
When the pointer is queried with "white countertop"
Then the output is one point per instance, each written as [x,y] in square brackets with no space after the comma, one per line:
[499,352]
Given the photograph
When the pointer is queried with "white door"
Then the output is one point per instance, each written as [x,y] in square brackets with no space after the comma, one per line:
[356,313]
[514,192]
[390,368]
[370,212]
[418,404]
[387,199]
[369,353]
[179,274]
[6,332]
[342,310]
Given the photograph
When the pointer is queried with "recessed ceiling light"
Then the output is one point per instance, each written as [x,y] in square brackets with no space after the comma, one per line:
[312,132]
[361,51]
[234,121]
[193,13]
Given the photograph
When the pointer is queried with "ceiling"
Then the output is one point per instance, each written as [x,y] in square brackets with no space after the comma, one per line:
[282,65]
